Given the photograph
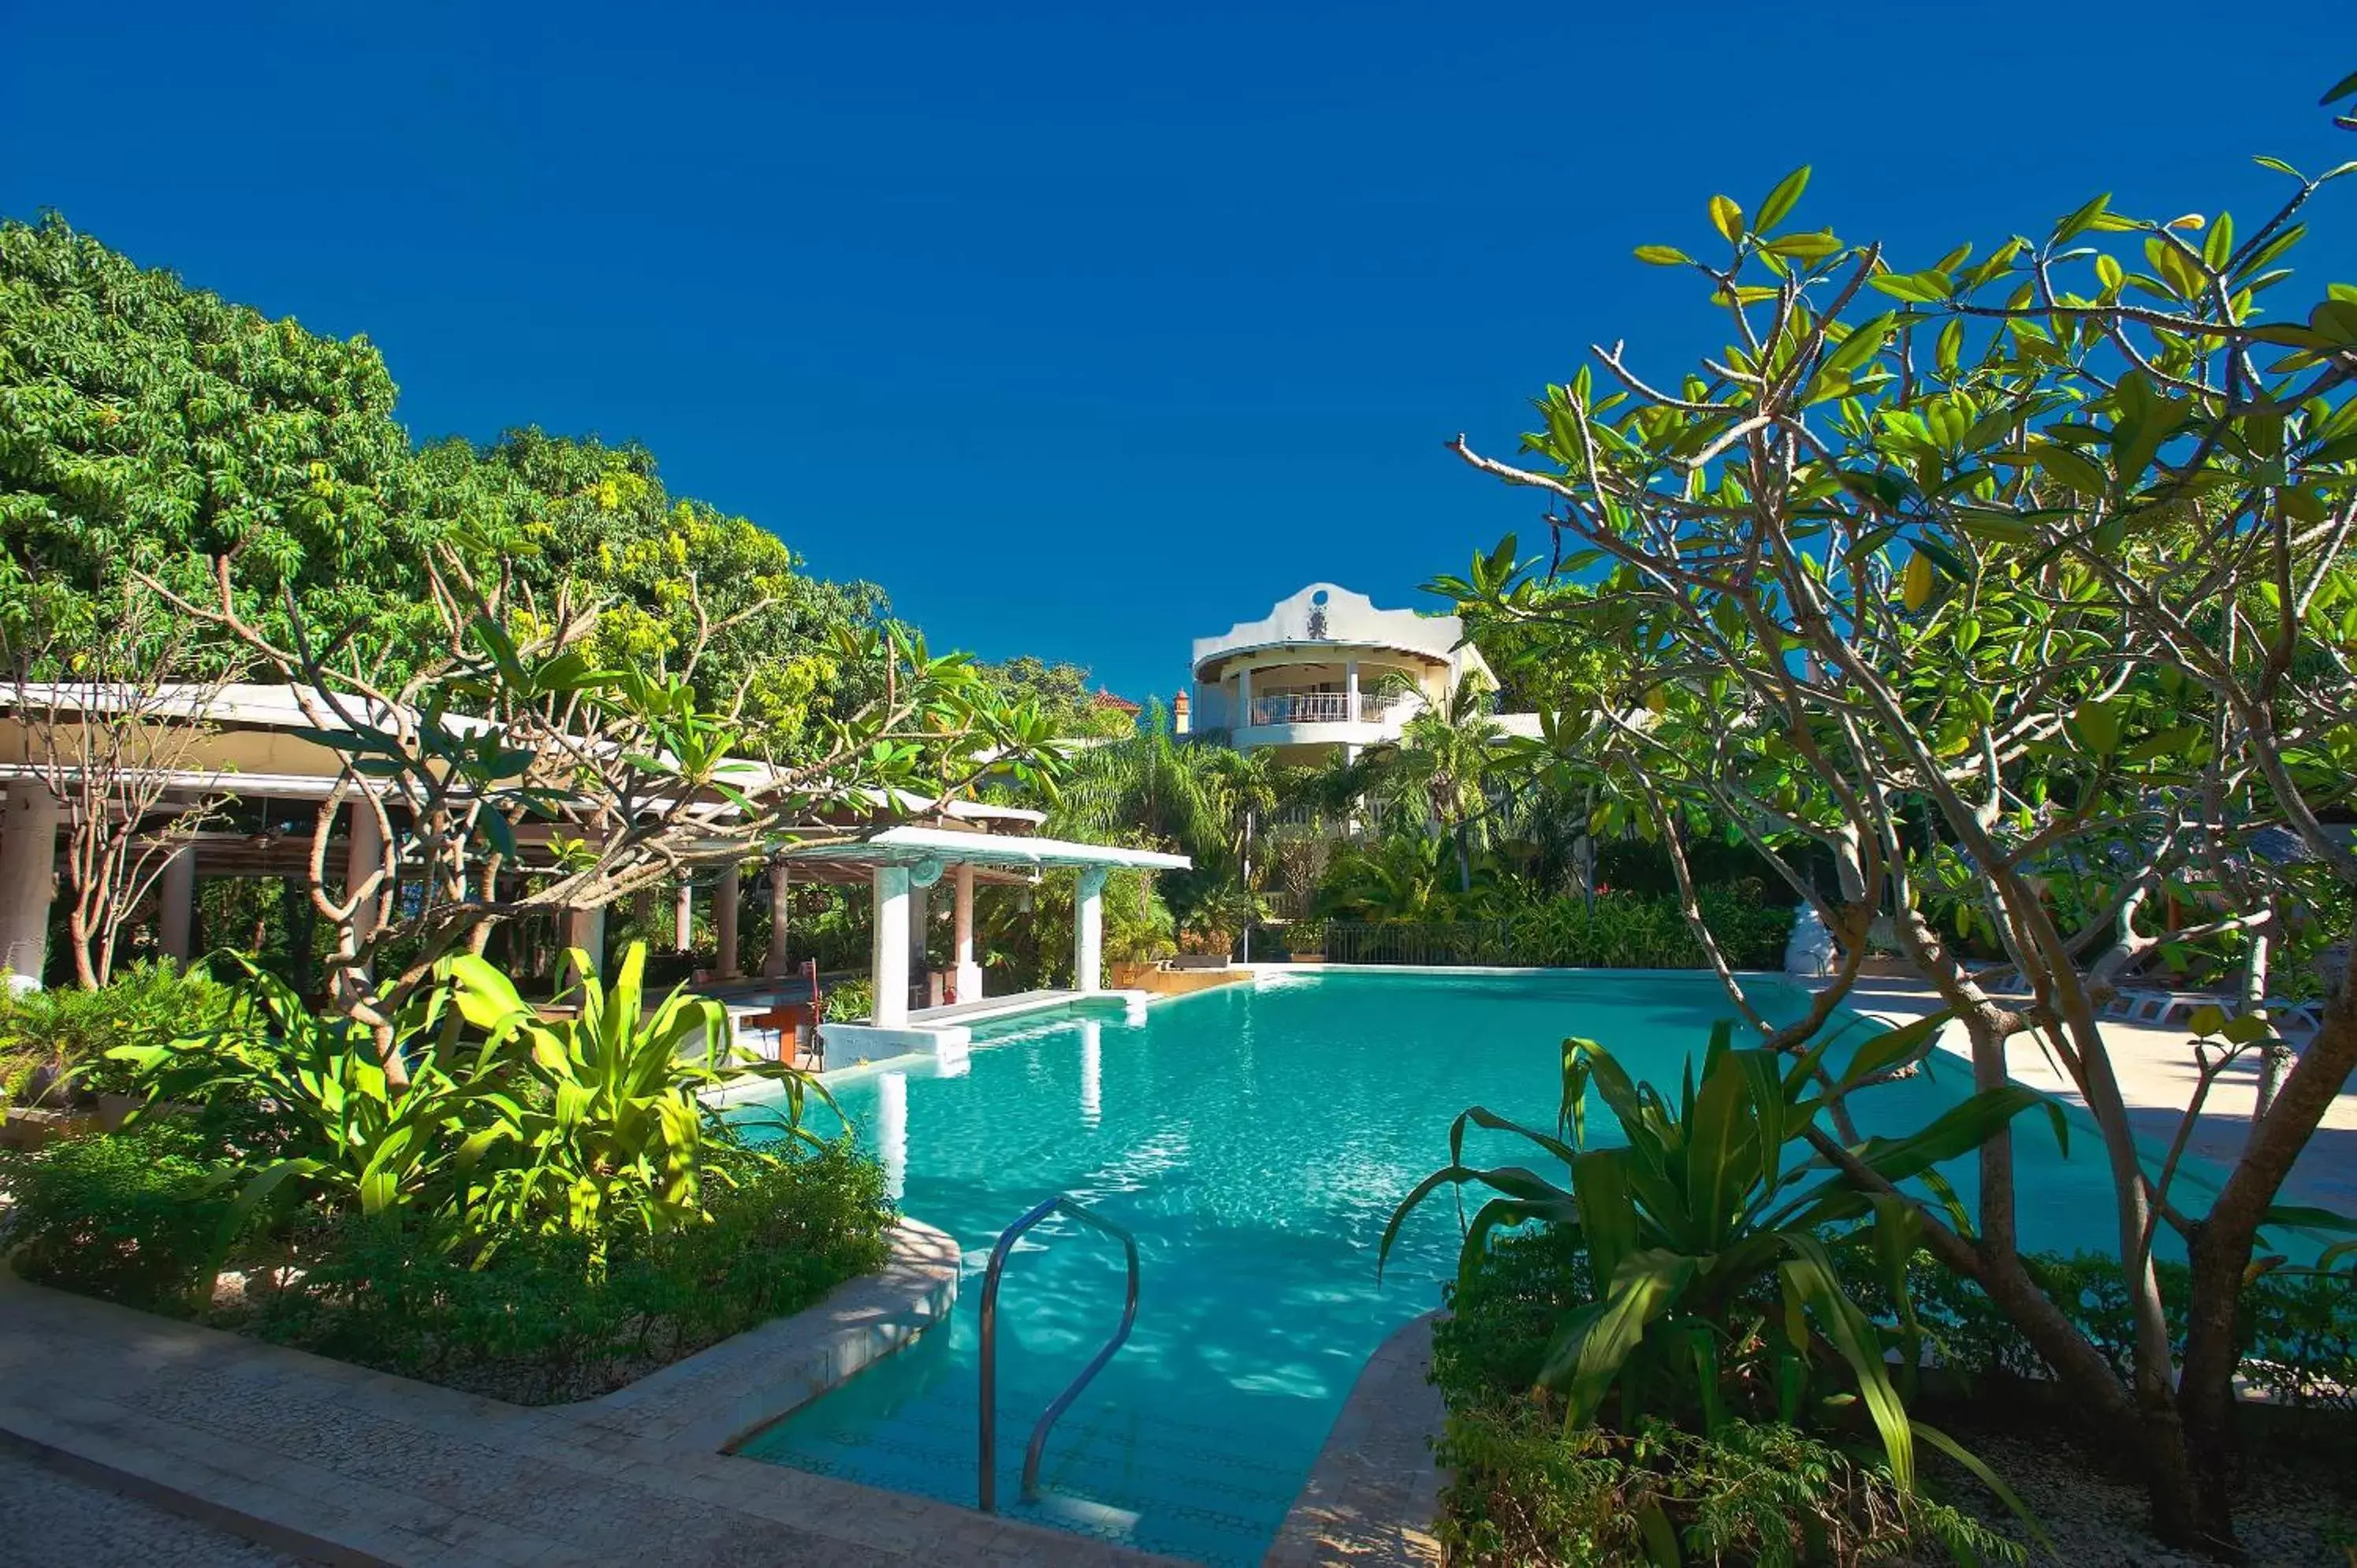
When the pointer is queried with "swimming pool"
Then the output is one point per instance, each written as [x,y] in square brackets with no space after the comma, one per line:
[1256,1139]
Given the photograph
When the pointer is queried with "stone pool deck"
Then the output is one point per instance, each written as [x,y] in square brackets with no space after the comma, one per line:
[2155,1066]
[324,1461]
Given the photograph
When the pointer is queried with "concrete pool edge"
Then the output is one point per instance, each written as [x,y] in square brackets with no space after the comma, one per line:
[341,1464]
[714,1400]
[1374,1493]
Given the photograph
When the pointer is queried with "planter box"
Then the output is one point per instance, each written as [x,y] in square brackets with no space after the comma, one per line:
[32,1127]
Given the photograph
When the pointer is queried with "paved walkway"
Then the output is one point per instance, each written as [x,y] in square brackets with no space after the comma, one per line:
[51,1519]
[2157,1076]
[329,1461]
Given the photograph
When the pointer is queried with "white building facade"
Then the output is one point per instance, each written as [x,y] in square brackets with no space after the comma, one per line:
[1327,670]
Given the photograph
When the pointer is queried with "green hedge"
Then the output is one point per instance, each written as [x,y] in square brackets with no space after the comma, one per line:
[2299,1330]
[1640,930]
[137,1217]
[133,1216]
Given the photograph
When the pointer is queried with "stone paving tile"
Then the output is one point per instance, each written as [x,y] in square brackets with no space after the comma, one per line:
[49,1520]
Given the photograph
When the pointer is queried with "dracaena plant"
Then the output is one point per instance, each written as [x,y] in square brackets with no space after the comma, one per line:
[1705,1237]
[613,1126]
[318,1118]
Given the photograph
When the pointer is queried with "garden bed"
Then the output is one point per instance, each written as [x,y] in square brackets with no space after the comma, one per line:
[526,1317]
[1521,1490]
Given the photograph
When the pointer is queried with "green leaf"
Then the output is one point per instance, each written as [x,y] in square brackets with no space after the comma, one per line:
[1892,1046]
[2069,469]
[2083,219]
[2339,90]
[1595,1342]
[1779,201]
[1663,256]
[1726,218]
[1989,1478]
[2304,1217]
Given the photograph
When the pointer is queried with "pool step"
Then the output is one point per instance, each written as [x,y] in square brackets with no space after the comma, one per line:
[1108,1471]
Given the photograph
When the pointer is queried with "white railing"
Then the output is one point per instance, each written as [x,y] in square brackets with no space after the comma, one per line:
[1322,707]
[1300,708]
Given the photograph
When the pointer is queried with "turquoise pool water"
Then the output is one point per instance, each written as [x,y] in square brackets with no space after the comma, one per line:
[1255,1138]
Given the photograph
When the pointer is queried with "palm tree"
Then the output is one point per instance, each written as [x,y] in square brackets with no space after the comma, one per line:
[1441,768]
[1149,782]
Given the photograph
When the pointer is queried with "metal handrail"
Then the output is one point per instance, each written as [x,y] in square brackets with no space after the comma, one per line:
[1061,1403]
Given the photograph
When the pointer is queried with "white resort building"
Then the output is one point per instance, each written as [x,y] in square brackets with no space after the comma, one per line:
[1326,670]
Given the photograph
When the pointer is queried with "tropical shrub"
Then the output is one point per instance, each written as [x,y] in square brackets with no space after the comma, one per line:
[497,1118]
[1710,1291]
[853,1001]
[539,1316]
[134,1217]
[1523,1492]
[616,1133]
[55,1043]
[319,1117]
[2297,1328]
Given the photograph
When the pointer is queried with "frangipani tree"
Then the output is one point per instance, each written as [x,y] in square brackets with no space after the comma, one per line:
[2024,559]
[514,775]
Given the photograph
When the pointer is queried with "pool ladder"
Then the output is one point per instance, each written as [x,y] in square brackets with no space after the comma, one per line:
[1062,1401]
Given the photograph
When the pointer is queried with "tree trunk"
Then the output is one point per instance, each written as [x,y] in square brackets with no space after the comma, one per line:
[2220,1255]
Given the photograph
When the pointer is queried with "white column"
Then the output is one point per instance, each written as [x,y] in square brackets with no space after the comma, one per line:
[969,968]
[586,929]
[888,958]
[363,858]
[29,880]
[1351,690]
[726,896]
[1243,698]
[176,905]
[773,962]
[1088,931]
[682,918]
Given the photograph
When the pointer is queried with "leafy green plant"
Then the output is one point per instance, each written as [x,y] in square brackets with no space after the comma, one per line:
[54,1043]
[852,1002]
[619,1133]
[1637,931]
[1714,1293]
[327,1122]
[134,1217]
[1523,1492]
[538,1316]
[2296,1328]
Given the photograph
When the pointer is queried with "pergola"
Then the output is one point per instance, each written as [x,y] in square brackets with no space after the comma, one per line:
[248,749]
[904,863]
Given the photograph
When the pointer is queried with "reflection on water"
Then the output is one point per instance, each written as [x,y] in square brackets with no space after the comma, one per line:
[892,1131]
[1091,1073]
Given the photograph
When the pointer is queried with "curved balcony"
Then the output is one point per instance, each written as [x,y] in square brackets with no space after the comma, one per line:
[1322,718]
[1324,708]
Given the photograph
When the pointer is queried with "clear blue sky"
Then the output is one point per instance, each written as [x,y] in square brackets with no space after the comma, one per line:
[1086,330]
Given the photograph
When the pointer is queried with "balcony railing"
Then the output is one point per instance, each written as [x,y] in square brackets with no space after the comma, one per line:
[1319,707]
